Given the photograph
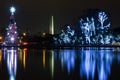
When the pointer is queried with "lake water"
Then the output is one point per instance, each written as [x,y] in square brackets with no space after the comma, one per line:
[60,64]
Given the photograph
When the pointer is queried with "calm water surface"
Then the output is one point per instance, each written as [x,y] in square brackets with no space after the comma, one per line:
[60,64]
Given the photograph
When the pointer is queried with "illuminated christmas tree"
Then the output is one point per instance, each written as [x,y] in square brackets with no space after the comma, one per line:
[11,38]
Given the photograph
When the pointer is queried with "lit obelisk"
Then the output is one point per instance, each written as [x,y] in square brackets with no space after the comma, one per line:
[51,27]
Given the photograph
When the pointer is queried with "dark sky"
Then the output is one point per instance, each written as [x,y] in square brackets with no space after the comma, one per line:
[35,14]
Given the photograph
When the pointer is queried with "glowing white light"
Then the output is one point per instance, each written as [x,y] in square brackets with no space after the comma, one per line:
[12,9]
[8,33]
[15,32]
[12,63]
[12,39]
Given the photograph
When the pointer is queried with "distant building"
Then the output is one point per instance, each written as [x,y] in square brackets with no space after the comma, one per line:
[51,27]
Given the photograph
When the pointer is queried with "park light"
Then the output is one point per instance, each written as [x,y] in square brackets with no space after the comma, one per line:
[1,37]
[24,34]
[43,33]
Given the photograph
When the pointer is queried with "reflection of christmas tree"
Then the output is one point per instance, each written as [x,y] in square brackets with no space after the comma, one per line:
[11,38]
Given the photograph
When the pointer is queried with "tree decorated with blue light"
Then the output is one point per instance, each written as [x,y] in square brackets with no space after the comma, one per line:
[103,28]
[11,38]
[88,29]
[66,37]
[95,30]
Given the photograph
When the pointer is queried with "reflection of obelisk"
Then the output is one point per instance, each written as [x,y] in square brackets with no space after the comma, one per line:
[51,27]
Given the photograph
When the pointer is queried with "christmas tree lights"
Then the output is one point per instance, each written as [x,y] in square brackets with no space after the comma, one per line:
[11,38]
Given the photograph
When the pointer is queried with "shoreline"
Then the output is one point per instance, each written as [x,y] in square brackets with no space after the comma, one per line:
[62,46]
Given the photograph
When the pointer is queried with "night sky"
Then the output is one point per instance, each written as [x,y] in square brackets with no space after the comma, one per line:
[35,14]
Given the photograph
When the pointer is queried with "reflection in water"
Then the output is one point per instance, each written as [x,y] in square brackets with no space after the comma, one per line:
[52,63]
[118,58]
[92,60]
[89,64]
[104,64]
[20,54]
[24,57]
[67,58]
[0,57]
[11,55]
[51,59]
[44,51]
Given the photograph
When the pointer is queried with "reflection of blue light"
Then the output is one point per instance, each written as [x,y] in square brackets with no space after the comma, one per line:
[12,63]
[104,64]
[118,58]
[67,58]
[88,64]
[72,62]
[68,67]
[102,73]
[95,63]
[91,61]
[12,77]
